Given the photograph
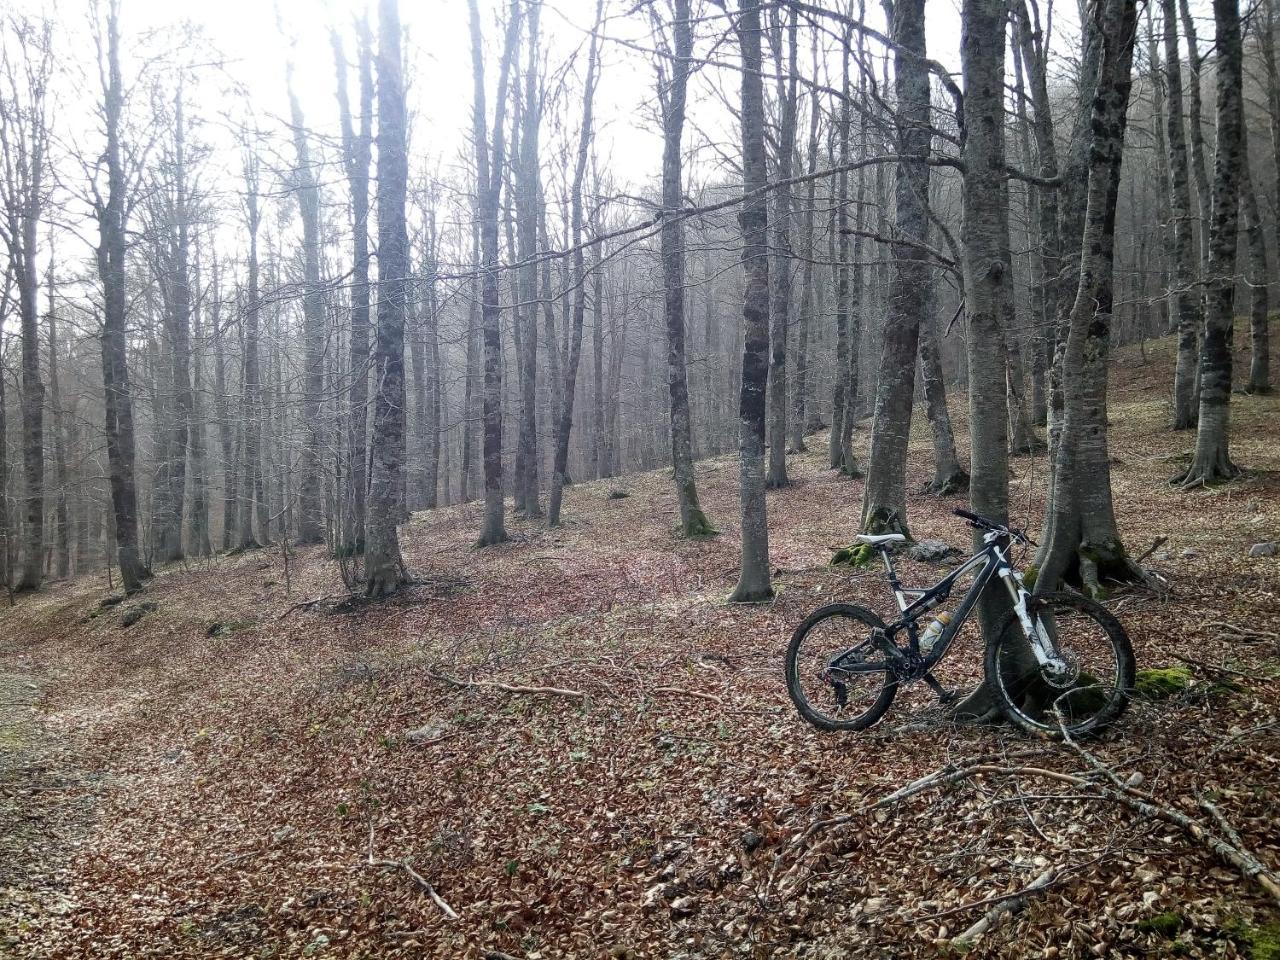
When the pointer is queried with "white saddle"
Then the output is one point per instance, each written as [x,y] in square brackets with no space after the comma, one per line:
[875,541]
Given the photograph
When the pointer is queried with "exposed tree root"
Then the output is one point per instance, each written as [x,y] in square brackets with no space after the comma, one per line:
[697,525]
[948,485]
[881,520]
[1207,474]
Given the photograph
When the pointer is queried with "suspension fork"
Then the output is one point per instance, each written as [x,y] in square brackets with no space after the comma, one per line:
[1041,644]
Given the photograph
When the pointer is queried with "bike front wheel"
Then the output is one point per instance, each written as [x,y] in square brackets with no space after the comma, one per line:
[836,677]
[1087,685]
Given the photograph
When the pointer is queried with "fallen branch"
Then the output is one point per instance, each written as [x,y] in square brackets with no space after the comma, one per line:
[681,692]
[1012,903]
[422,882]
[508,687]
[1156,545]
[307,604]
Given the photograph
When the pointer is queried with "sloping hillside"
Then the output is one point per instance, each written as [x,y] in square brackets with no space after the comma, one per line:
[584,752]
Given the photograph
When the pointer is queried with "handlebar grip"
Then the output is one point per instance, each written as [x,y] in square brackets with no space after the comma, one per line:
[971,517]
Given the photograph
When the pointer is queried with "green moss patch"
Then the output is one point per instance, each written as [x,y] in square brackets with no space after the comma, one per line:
[1262,942]
[854,555]
[1161,683]
[1168,924]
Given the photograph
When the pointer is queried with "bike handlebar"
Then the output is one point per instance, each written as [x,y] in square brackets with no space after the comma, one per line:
[985,524]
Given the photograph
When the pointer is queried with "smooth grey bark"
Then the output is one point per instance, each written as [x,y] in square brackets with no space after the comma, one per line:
[884,506]
[949,477]
[672,92]
[526,202]
[988,284]
[780,308]
[222,413]
[1200,170]
[356,155]
[171,221]
[490,161]
[1184,305]
[24,142]
[252,497]
[1081,540]
[1256,276]
[1212,460]
[112,213]
[1261,381]
[1034,58]
[573,355]
[835,452]
[383,565]
[753,578]
[428,337]
[62,518]
[470,395]
[310,527]
[801,395]
[198,531]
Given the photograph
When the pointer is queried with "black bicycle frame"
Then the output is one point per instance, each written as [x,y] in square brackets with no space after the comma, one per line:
[988,561]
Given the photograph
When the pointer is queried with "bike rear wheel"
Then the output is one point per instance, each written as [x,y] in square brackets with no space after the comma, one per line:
[831,668]
[1088,687]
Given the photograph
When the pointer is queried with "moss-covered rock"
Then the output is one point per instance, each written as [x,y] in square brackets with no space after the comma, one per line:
[1168,924]
[1161,683]
[854,555]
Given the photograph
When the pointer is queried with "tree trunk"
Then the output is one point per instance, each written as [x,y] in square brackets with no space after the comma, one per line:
[884,508]
[753,580]
[310,519]
[489,171]
[835,451]
[671,95]
[1259,365]
[253,495]
[801,397]
[1081,541]
[356,149]
[780,309]
[1212,460]
[62,520]
[988,287]
[111,258]
[1184,305]
[527,195]
[564,425]
[222,411]
[384,568]
[200,544]
[949,478]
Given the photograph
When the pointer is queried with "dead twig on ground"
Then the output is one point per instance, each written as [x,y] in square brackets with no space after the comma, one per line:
[414,875]
[508,687]
[1009,904]
[681,692]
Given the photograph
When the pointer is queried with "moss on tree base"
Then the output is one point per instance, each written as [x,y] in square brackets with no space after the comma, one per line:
[697,526]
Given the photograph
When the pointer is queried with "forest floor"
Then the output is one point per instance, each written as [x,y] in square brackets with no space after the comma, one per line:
[234,775]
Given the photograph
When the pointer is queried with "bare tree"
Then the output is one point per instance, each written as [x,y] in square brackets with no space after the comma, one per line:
[355,161]
[574,331]
[884,507]
[1212,460]
[1184,305]
[672,98]
[112,212]
[383,565]
[26,52]
[1081,539]
[306,189]
[753,579]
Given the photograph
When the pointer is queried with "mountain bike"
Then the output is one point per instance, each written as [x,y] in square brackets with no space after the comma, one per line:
[1058,662]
